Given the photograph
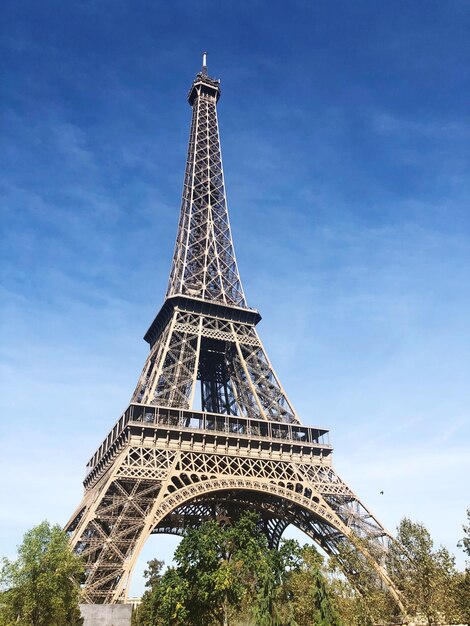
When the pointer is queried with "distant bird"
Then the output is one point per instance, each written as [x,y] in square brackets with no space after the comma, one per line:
[381,493]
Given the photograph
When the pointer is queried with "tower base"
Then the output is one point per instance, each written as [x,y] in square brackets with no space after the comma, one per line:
[106,614]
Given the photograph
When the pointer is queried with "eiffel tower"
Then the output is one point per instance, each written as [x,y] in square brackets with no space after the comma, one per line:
[166,465]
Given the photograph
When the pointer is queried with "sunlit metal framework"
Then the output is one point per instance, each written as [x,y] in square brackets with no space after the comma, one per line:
[165,466]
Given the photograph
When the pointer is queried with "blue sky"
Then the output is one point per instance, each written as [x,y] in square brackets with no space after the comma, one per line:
[345,136]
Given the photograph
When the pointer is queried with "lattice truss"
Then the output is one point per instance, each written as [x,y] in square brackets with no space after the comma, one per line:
[150,490]
[204,263]
[241,380]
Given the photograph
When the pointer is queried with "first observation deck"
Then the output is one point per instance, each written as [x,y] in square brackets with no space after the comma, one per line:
[185,428]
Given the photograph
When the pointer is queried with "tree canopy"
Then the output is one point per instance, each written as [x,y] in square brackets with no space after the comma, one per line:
[464,543]
[41,588]
[425,575]
[229,576]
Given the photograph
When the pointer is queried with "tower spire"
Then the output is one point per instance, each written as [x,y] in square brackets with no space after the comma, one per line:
[204,264]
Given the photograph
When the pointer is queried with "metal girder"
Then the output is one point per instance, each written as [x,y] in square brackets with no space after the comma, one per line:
[204,263]
[249,387]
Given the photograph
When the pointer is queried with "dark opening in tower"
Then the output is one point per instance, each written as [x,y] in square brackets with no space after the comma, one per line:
[214,373]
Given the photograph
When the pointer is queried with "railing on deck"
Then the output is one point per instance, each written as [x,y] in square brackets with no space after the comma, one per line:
[182,419]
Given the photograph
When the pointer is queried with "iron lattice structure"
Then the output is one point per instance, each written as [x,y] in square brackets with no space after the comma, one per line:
[165,466]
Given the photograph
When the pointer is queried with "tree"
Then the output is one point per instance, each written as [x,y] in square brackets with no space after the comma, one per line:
[426,576]
[153,573]
[41,587]
[230,575]
[464,543]
[272,605]
[307,597]
[356,587]
[142,616]
[352,607]
[222,568]
[171,602]
[463,580]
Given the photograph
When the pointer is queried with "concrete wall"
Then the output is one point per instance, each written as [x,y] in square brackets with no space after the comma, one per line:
[106,614]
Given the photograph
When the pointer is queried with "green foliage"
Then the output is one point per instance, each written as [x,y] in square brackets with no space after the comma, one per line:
[464,543]
[462,584]
[41,587]
[360,595]
[222,568]
[171,602]
[425,576]
[153,573]
[430,586]
[317,592]
[272,605]
[308,599]
[229,575]
[142,616]
[353,608]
